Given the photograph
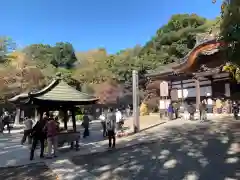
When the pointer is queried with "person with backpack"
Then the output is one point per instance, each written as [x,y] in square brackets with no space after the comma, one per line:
[111,128]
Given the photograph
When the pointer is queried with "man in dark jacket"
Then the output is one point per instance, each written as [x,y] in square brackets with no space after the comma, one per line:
[38,134]
[85,124]
[111,127]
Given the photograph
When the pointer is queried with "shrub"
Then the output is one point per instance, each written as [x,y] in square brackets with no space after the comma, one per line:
[143,109]
[79,117]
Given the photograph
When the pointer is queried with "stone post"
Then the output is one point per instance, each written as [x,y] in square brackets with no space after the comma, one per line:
[136,124]
[198,96]
[17,116]
[36,115]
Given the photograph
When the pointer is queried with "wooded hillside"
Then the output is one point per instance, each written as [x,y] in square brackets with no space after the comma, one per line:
[97,71]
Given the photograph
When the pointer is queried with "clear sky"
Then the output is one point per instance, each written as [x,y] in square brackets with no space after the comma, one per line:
[90,24]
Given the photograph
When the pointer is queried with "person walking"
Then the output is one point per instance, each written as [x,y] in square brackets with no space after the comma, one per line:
[191,111]
[111,127]
[170,111]
[52,131]
[128,110]
[176,109]
[28,123]
[103,122]
[235,109]
[85,125]
[38,134]
[118,119]
[6,120]
[1,125]
[202,111]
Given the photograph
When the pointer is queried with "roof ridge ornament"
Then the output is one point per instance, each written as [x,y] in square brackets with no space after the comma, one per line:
[58,76]
[204,37]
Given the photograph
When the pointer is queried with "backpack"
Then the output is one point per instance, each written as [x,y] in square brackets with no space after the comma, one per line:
[110,125]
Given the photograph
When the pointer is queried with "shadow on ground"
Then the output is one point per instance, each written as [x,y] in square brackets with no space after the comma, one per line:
[37,171]
[203,152]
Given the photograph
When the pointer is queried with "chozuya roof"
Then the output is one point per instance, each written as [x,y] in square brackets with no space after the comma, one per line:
[206,44]
[22,98]
[57,91]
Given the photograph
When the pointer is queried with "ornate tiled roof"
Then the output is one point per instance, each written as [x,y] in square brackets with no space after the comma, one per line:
[201,39]
[163,69]
[22,98]
[56,91]
[59,90]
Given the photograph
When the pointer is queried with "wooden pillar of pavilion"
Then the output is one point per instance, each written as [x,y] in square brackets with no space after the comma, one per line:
[65,118]
[74,120]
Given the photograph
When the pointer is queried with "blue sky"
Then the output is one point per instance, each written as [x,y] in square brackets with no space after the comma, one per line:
[90,24]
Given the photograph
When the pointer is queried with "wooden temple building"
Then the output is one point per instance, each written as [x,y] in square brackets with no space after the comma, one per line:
[198,76]
[57,96]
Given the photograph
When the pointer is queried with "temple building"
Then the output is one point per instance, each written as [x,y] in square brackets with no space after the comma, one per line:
[198,76]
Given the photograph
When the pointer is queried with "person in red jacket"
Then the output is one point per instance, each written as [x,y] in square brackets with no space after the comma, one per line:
[52,131]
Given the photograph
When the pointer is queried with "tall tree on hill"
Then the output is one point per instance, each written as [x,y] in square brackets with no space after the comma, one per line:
[230,34]
[63,55]
[7,45]
[173,40]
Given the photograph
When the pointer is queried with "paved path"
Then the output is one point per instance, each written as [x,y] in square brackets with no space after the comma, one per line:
[14,154]
[193,151]
[79,171]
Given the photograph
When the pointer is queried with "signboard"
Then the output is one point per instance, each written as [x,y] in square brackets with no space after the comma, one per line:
[163,104]
[174,94]
[164,89]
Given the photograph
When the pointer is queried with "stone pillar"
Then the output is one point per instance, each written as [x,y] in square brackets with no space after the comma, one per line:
[17,116]
[36,115]
[22,115]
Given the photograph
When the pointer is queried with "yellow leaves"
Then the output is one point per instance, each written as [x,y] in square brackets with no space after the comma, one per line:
[229,68]
[237,75]
[19,60]
[143,109]
[234,70]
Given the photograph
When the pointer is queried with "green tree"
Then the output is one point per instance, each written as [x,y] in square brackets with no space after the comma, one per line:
[122,64]
[42,54]
[173,40]
[63,55]
[7,45]
[230,36]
